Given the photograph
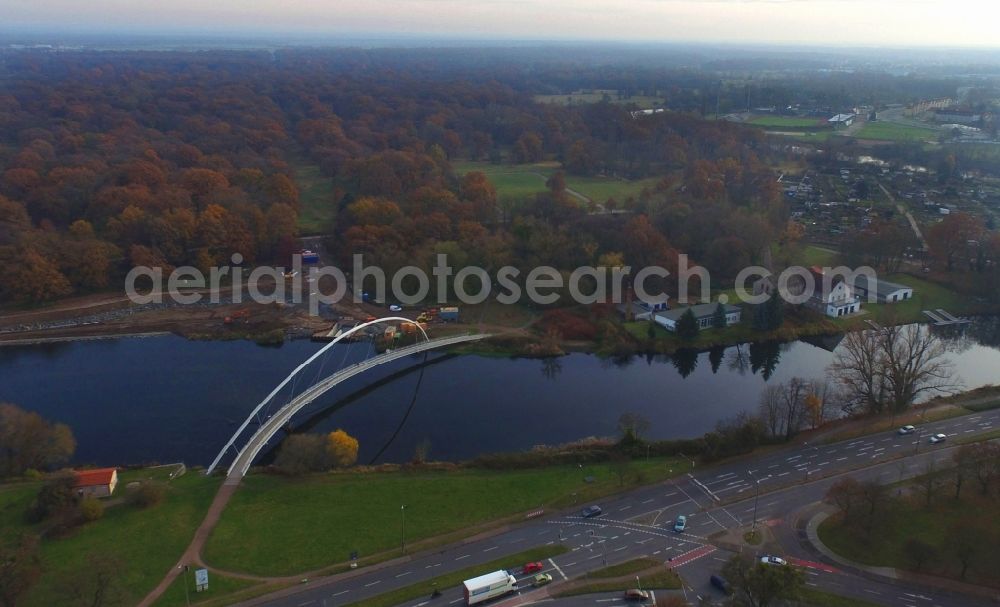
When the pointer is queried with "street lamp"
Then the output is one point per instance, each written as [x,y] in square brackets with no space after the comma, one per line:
[402,528]
[756,497]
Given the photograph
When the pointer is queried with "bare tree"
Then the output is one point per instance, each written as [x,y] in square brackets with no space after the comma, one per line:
[930,480]
[770,409]
[858,366]
[891,367]
[915,364]
[633,425]
[793,405]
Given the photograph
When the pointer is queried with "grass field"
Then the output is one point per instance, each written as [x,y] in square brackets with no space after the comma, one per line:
[819,598]
[318,208]
[524,180]
[817,256]
[787,122]
[143,544]
[807,137]
[220,589]
[932,525]
[277,525]
[926,296]
[608,579]
[888,131]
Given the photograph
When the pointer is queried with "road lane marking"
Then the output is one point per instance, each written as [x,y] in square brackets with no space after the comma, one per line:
[493,548]
[553,563]
[373,583]
[464,556]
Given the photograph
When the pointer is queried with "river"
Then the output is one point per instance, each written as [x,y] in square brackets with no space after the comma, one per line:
[166,399]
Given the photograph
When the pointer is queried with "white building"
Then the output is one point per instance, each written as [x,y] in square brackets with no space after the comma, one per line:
[703,313]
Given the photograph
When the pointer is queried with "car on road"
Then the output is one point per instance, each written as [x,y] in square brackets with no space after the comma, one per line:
[635,594]
[938,438]
[395,308]
[906,430]
[772,560]
[541,579]
[532,567]
[680,524]
[721,583]
[590,511]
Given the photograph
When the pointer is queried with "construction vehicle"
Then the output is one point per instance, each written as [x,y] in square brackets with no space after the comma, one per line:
[409,328]
[243,315]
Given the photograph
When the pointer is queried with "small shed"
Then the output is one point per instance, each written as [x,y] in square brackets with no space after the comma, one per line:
[100,482]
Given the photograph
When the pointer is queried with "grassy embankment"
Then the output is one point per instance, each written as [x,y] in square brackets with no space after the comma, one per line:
[651,572]
[142,545]
[277,525]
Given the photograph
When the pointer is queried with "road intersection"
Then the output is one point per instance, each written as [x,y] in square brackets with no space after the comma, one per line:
[717,500]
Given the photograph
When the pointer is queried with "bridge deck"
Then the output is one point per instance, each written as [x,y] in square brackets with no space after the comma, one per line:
[278,420]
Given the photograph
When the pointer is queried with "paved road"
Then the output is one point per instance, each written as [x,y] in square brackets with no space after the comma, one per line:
[714,499]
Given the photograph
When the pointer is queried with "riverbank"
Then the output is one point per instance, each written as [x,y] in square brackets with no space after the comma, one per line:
[520,331]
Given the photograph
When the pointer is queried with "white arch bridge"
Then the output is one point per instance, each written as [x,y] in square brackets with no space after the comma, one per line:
[246,454]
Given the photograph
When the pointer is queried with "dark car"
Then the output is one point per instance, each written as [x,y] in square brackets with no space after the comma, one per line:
[590,511]
[720,582]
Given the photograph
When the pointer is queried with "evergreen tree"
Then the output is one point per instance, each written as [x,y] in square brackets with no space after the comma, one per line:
[719,317]
[775,311]
[687,326]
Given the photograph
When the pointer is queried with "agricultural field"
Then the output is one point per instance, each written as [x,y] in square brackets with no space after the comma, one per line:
[888,131]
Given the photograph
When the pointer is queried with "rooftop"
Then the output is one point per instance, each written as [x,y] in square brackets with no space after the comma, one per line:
[699,310]
[98,476]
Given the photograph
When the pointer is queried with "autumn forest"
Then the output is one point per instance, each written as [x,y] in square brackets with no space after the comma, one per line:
[115,159]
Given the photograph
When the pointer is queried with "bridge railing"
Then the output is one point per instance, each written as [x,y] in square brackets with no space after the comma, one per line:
[249,451]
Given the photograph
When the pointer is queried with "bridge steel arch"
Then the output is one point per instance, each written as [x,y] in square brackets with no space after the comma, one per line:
[299,368]
[243,460]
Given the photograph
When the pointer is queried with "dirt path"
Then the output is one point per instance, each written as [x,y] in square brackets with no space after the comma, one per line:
[909,217]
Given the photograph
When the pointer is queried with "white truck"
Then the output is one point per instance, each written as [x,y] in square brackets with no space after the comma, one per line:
[486,587]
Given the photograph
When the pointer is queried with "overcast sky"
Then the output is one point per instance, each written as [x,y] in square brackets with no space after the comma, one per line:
[821,22]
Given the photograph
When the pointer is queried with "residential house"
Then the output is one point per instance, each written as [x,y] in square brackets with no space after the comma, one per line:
[703,313]
[641,310]
[100,482]
[836,299]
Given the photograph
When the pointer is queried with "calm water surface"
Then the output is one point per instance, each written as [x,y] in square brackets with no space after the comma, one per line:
[138,400]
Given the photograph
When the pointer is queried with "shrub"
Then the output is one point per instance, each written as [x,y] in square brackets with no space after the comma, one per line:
[147,494]
[90,509]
